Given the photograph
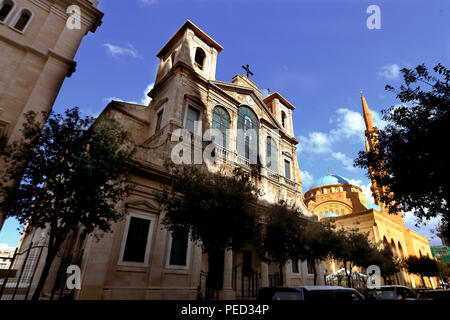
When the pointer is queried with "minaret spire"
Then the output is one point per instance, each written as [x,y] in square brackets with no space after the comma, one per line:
[366,113]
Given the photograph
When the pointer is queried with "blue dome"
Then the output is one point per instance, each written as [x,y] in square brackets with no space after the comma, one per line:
[330,214]
[331,179]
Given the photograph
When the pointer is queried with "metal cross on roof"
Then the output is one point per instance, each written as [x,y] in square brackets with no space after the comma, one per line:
[247,69]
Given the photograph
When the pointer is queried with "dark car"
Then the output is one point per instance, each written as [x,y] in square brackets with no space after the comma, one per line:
[435,295]
[309,293]
[390,293]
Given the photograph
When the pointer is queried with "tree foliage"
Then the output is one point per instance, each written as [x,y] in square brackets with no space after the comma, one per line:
[422,266]
[73,180]
[409,158]
[353,249]
[383,256]
[216,208]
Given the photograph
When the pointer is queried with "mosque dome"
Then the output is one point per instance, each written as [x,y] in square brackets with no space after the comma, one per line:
[331,179]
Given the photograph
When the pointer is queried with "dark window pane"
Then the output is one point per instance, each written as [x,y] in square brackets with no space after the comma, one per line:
[158,120]
[4,11]
[192,116]
[22,22]
[178,251]
[295,268]
[310,267]
[221,121]
[287,169]
[136,240]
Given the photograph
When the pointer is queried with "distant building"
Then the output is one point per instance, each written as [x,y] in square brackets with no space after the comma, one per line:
[441,253]
[6,253]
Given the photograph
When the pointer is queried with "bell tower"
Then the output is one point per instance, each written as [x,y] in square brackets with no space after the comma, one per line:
[192,47]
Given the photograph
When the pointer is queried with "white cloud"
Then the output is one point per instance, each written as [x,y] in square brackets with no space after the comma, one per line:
[316,142]
[109,99]
[345,160]
[265,92]
[146,99]
[424,228]
[349,124]
[116,51]
[307,179]
[389,72]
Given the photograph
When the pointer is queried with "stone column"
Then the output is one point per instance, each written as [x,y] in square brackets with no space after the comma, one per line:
[264,274]
[227,292]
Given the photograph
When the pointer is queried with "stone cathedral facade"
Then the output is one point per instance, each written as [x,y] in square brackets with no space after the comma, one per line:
[140,259]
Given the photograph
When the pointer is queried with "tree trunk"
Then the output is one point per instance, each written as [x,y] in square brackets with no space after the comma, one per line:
[281,274]
[48,263]
[423,281]
[315,271]
[53,247]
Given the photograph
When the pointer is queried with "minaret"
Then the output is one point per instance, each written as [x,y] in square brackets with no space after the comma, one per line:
[370,142]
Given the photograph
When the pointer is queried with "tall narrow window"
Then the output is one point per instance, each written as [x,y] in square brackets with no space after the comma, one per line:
[191,118]
[247,137]
[23,20]
[159,120]
[271,154]
[137,238]
[178,249]
[199,58]
[295,268]
[310,266]
[221,121]
[283,119]
[287,169]
[6,9]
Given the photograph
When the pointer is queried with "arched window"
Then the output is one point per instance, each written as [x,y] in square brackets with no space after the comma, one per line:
[400,250]
[394,251]
[221,121]
[271,154]
[283,119]
[6,8]
[247,136]
[199,58]
[22,20]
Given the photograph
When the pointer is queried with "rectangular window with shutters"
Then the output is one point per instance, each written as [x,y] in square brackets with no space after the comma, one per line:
[136,240]
[179,247]
[192,116]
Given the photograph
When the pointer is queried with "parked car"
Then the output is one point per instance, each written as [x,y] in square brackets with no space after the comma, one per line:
[390,293]
[440,294]
[309,293]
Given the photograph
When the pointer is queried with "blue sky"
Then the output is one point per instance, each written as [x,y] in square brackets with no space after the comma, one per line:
[318,54]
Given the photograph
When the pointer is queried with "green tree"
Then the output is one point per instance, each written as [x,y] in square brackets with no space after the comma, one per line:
[385,259]
[281,237]
[317,242]
[73,181]
[217,209]
[410,151]
[422,266]
[353,249]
